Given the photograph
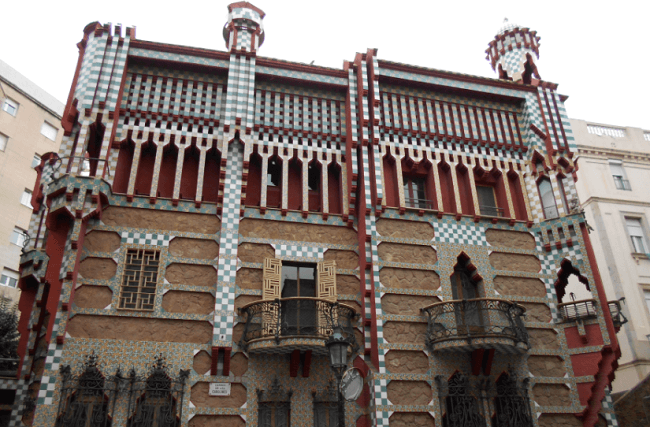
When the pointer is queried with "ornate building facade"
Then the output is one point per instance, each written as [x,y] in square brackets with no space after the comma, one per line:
[238,210]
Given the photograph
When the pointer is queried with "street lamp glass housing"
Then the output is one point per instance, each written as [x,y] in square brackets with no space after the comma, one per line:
[337,346]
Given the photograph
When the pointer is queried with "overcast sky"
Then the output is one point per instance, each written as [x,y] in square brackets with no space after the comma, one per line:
[597,51]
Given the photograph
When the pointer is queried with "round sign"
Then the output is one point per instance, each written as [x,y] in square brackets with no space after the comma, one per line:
[351,384]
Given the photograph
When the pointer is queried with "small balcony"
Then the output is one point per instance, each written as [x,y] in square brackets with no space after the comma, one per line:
[467,325]
[578,310]
[617,314]
[298,323]
[413,203]
[622,184]
[493,211]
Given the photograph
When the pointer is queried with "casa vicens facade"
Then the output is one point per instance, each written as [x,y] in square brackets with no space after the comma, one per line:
[239,212]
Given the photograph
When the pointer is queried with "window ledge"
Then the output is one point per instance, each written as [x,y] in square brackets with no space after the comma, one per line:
[639,256]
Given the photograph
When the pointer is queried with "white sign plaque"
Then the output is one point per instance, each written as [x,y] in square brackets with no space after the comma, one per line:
[219,389]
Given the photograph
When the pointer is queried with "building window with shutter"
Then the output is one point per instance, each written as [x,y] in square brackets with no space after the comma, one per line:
[620,180]
[138,290]
[548,198]
[635,231]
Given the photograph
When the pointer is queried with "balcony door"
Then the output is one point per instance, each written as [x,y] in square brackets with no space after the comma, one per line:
[468,313]
[299,316]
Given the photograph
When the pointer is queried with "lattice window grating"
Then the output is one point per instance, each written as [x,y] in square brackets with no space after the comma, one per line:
[138,290]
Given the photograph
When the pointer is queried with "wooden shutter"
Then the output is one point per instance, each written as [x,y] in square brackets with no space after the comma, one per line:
[327,280]
[271,289]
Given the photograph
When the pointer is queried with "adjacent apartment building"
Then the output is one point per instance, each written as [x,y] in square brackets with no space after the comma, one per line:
[614,172]
[30,125]
[221,221]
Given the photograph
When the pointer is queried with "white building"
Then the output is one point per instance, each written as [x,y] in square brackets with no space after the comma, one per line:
[614,188]
[30,125]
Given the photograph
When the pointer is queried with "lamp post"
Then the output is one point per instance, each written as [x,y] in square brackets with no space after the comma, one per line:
[337,346]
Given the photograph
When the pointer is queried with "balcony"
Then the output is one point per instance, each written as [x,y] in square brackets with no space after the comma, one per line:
[298,323]
[578,310]
[418,203]
[617,314]
[491,211]
[467,325]
[622,184]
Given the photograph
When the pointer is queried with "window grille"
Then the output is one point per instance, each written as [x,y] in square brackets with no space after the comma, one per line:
[139,280]
[604,130]
[274,406]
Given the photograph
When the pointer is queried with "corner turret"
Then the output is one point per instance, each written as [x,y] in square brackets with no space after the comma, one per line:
[512,53]
[244,30]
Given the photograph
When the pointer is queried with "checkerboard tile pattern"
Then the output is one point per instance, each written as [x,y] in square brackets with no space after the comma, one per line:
[461,233]
[608,409]
[295,251]
[154,239]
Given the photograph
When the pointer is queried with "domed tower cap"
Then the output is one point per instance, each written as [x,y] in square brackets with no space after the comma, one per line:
[244,30]
[513,51]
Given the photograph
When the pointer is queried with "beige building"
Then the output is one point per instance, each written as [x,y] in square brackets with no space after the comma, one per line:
[30,125]
[614,188]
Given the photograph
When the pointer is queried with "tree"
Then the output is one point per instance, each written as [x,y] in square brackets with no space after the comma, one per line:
[8,335]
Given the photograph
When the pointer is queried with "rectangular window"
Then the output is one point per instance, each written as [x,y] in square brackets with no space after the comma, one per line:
[3,141]
[36,160]
[10,106]
[49,131]
[635,231]
[646,136]
[9,278]
[26,198]
[606,130]
[18,236]
[487,201]
[138,291]
[619,176]
[646,294]
[415,194]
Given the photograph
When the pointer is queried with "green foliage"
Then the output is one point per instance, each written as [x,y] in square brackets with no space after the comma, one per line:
[8,329]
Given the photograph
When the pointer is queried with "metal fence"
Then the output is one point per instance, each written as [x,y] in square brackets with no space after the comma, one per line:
[475,318]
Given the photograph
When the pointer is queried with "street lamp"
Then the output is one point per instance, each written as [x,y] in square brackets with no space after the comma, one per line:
[337,346]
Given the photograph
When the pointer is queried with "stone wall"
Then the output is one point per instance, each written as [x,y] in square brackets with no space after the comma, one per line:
[411,419]
[188,302]
[409,392]
[346,260]
[161,220]
[405,332]
[543,339]
[217,420]
[193,275]
[139,329]
[406,305]
[559,420]
[515,262]
[102,241]
[297,232]
[407,362]
[403,278]
[194,248]
[415,254]
[254,252]
[520,286]
[93,296]
[552,395]
[405,229]
[97,268]
[546,366]
[510,239]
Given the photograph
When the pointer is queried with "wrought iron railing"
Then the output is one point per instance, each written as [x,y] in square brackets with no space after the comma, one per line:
[622,184]
[295,317]
[475,318]
[418,203]
[618,317]
[87,166]
[582,309]
[89,398]
[491,211]
[473,401]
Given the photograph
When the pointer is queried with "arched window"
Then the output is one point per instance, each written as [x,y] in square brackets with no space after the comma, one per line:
[123,169]
[145,168]
[167,174]
[190,174]
[254,183]
[211,175]
[334,188]
[274,182]
[314,178]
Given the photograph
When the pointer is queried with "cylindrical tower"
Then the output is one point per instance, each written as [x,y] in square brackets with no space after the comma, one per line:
[244,30]
[513,51]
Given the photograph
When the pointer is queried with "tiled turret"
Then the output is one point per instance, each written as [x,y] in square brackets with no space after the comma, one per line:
[244,30]
[513,51]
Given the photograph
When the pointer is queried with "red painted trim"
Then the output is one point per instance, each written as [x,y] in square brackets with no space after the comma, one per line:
[455,76]
[306,365]
[246,5]
[181,50]
[294,363]
[116,119]
[215,361]
[226,361]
